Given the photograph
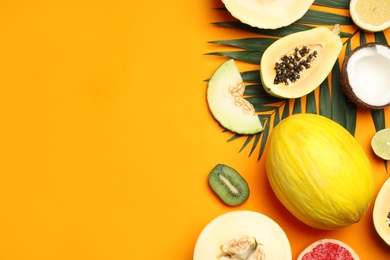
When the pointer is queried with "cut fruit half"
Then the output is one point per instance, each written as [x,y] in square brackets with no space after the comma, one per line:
[365,75]
[380,143]
[370,15]
[266,235]
[226,101]
[296,64]
[381,212]
[268,14]
[327,249]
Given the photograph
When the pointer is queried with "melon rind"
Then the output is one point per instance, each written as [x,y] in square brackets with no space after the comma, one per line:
[268,14]
[222,103]
[235,224]
[381,209]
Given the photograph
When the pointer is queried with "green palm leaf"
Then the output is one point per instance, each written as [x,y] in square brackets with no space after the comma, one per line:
[246,56]
[251,76]
[380,37]
[325,101]
[293,28]
[311,104]
[325,18]
[254,44]
[342,4]
[271,110]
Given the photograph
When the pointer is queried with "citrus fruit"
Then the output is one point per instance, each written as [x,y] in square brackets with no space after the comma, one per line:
[370,15]
[326,249]
[380,143]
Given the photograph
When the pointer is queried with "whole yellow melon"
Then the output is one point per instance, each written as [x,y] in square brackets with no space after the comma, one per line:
[319,172]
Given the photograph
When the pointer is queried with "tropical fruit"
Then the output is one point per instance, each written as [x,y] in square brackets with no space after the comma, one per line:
[268,14]
[328,249]
[380,143]
[370,15]
[319,172]
[226,101]
[365,73]
[381,212]
[229,185]
[296,64]
[243,235]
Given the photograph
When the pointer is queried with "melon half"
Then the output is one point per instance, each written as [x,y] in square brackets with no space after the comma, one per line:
[268,14]
[236,224]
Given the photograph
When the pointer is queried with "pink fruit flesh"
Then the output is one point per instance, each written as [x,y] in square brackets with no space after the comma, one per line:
[328,251]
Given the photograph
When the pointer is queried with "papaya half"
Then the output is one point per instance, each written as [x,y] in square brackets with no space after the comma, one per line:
[295,65]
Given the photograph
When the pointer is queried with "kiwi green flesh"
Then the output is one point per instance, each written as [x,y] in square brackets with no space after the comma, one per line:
[228,185]
[365,74]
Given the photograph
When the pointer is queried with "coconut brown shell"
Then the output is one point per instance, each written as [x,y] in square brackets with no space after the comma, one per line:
[345,84]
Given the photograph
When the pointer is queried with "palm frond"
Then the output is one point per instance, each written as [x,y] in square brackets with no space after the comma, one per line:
[246,56]
[342,4]
[331,102]
[325,101]
[380,37]
[311,104]
[325,18]
[254,44]
[277,32]
[297,108]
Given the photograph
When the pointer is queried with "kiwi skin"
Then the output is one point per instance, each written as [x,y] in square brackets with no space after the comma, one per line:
[346,86]
[228,185]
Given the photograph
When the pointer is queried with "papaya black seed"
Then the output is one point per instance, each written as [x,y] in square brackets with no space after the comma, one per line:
[289,66]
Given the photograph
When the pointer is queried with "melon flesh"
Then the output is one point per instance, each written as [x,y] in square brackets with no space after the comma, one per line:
[268,14]
[227,104]
[234,225]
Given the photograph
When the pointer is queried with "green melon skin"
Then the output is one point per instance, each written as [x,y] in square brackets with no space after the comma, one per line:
[225,99]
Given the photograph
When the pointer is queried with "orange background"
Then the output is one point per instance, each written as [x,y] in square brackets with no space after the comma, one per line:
[107,141]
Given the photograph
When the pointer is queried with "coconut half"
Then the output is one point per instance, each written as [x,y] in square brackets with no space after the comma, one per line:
[365,75]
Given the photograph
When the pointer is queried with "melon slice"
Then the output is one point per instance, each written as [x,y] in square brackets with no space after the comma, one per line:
[381,212]
[227,104]
[269,239]
[268,14]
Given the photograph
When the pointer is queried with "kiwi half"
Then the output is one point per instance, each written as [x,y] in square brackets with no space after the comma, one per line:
[229,185]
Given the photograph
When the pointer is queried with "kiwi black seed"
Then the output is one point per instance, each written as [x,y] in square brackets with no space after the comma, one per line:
[229,185]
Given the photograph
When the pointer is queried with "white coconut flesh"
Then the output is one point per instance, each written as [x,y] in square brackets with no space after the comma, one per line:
[368,74]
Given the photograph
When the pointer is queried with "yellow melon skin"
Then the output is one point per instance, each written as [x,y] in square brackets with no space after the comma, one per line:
[319,172]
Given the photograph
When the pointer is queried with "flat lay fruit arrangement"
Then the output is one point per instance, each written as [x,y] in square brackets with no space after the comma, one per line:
[312,70]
